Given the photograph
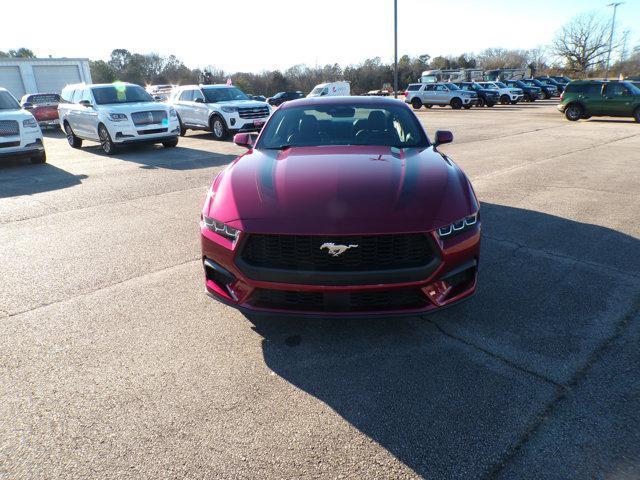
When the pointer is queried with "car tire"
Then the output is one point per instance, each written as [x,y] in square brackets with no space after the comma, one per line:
[505,100]
[636,115]
[513,102]
[547,96]
[416,103]
[428,106]
[170,143]
[573,112]
[74,141]
[218,128]
[480,102]
[490,104]
[467,107]
[456,103]
[105,140]
[183,129]
[40,158]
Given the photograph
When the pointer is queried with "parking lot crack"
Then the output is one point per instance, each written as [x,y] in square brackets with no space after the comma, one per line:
[563,390]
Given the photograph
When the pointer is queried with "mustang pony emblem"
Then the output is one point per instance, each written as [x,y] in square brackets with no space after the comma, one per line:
[336,250]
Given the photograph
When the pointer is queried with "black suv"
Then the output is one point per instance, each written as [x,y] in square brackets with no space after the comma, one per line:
[281,97]
[531,92]
[550,81]
[486,96]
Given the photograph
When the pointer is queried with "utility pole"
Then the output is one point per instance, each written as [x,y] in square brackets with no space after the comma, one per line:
[613,24]
[395,48]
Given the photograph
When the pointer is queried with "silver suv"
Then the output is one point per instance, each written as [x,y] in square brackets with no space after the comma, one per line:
[442,94]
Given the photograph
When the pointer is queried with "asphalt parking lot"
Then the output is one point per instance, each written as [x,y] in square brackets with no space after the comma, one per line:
[114,364]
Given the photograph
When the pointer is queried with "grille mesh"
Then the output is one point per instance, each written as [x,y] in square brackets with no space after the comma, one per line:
[303,252]
[141,119]
[9,128]
[254,112]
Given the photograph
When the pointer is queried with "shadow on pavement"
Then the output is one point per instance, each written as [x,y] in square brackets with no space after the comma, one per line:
[20,177]
[451,394]
[152,156]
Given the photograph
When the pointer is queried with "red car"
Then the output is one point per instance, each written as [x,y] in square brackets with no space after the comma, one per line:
[341,206]
[43,106]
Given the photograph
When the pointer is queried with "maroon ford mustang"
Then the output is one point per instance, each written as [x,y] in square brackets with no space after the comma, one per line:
[341,206]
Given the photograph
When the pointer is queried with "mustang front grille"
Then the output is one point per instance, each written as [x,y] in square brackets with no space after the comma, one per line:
[338,260]
[368,301]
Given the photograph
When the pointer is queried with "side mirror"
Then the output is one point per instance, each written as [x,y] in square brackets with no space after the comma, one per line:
[246,140]
[199,100]
[85,103]
[443,136]
[27,105]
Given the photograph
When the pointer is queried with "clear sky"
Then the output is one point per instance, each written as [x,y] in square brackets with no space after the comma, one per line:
[254,35]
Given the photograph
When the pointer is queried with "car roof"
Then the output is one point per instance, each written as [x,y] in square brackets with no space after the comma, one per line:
[343,100]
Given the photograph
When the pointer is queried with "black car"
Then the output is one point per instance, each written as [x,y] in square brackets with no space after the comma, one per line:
[547,90]
[486,97]
[550,81]
[259,98]
[281,97]
[530,90]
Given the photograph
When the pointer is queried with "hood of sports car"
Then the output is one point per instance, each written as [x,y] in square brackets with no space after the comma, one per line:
[340,190]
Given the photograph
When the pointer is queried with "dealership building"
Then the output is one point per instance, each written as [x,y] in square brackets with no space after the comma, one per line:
[42,75]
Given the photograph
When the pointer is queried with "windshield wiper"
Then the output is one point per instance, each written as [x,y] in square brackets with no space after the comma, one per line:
[281,147]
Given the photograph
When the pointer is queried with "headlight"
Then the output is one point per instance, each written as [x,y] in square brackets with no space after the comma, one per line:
[29,123]
[117,117]
[173,113]
[229,109]
[459,226]
[221,229]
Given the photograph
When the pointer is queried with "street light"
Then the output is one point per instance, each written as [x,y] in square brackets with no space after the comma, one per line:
[395,48]
[613,24]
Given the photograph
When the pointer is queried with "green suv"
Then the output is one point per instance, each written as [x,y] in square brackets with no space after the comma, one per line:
[586,98]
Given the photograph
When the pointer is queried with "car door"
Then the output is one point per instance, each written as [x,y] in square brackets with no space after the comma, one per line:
[427,94]
[618,100]
[442,95]
[183,106]
[592,98]
[88,115]
[200,110]
[74,117]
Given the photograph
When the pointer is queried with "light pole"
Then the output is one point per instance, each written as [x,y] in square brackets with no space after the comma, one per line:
[395,48]
[613,24]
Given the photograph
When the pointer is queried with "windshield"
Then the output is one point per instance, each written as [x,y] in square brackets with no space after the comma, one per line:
[223,94]
[490,86]
[120,93]
[502,85]
[7,102]
[452,86]
[339,124]
[316,92]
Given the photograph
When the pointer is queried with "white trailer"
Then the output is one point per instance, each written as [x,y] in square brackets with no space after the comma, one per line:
[42,75]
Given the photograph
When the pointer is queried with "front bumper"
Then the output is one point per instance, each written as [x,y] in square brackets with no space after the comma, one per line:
[29,143]
[561,107]
[237,124]
[127,132]
[452,279]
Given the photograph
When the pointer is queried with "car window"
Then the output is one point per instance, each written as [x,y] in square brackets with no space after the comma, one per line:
[7,102]
[414,87]
[429,88]
[441,88]
[339,124]
[77,95]
[617,90]
[86,95]
[186,95]
[223,94]
[197,94]
[120,93]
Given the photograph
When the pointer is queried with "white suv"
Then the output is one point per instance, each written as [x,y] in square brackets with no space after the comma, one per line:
[507,94]
[115,114]
[221,109]
[20,134]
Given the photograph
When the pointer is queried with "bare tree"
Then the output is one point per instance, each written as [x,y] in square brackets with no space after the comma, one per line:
[583,41]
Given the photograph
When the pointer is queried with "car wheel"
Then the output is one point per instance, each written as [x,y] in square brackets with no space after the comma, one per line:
[490,104]
[467,107]
[74,141]
[480,102]
[504,99]
[636,115]
[40,158]
[183,129]
[547,96]
[170,143]
[105,140]
[218,128]
[573,112]
[416,103]
[428,106]
[456,103]
[513,102]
